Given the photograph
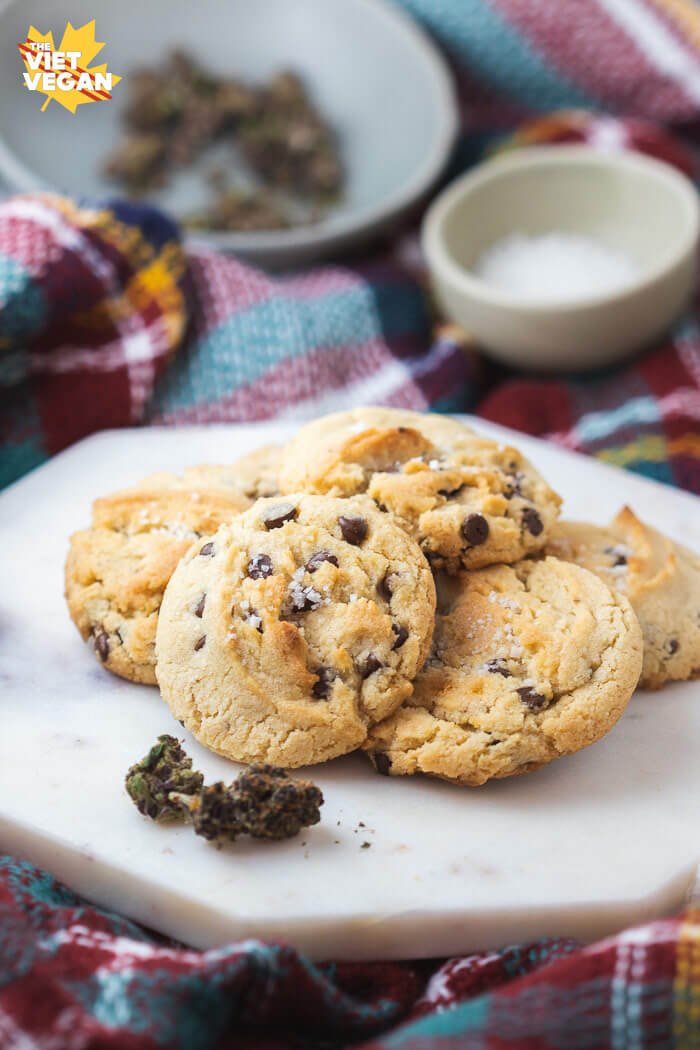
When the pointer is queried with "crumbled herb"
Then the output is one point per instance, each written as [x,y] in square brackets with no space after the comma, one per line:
[215,815]
[233,209]
[173,113]
[166,770]
[263,802]
[273,805]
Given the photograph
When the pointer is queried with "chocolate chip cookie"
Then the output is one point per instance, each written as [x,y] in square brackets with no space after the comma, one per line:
[529,662]
[248,478]
[292,630]
[117,569]
[660,578]
[468,501]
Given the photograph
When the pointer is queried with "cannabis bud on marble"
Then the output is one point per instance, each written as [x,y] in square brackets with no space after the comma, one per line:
[263,802]
[166,770]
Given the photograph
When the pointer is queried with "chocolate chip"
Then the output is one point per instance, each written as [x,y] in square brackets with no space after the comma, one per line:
[620,559]
[401,635]
[200,643]
[451,493]
[354,530]
[532,521]
[475,529]
[384,587]
[498,667]
[322,687]
[259,567]
[207,550]
[370,665]
[514,488]
[382,763]
[535,701]
[672,646]
[318,559]
[200,606]
[275,517]
[102,645]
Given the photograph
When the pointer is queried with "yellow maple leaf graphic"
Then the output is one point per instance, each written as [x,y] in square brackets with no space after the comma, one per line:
[76,40]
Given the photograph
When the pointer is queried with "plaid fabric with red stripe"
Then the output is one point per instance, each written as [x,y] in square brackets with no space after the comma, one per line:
[105,321]
[75,977]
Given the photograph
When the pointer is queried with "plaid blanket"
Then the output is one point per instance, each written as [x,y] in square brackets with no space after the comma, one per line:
[73,977]
[105,321]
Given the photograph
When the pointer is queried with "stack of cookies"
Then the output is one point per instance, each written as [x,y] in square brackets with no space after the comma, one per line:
[390,581]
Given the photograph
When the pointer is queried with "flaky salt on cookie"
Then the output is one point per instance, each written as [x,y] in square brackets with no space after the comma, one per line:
[285,636]
[660,578]
[468,501]
[529,662]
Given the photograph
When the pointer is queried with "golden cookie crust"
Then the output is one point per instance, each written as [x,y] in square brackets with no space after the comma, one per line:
[295,628]
[248,478]
[529,662]
[117,569]
[468,501]
[660,578]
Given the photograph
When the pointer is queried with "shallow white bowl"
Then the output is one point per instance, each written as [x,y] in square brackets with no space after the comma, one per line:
[375,75]
[638,206]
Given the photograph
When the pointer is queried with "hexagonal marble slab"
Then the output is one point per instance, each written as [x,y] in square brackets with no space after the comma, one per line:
[583,847]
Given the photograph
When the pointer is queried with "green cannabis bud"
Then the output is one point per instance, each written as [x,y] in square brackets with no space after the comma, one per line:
[273,805]
[214,814]
[263,802]
[165,770]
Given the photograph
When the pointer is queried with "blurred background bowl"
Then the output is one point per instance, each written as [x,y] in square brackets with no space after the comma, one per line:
[375,76]
[638,207]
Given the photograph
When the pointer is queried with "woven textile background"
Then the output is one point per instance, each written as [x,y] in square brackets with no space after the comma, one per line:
[105,320]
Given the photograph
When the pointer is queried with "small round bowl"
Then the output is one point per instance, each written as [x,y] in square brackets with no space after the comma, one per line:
[374,74]
[639,207]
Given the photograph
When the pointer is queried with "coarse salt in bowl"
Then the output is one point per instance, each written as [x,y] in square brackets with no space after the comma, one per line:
[564,257]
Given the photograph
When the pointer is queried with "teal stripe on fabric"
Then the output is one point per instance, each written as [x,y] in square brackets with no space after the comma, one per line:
[491,48]
[657,471]
[598,425]
[462,400]
[253,341]
[468,1017]
[19,456]
[23,305]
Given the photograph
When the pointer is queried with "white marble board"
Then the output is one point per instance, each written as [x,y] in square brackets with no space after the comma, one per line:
[588,844]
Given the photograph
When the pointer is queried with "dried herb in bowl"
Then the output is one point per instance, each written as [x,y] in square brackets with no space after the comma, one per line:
[173,113]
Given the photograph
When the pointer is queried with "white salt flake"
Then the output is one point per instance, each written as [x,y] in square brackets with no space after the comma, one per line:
[554,266]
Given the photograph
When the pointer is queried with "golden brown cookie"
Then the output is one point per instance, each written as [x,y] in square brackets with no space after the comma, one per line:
[294,628]
[468,501]
[529,662]
[660,578]
[249,478]
[117,569]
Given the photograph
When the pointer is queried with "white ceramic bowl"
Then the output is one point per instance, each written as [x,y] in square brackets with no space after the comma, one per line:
[376,76]
[635,205]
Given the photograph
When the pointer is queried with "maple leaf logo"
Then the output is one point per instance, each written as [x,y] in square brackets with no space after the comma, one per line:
[77,82]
